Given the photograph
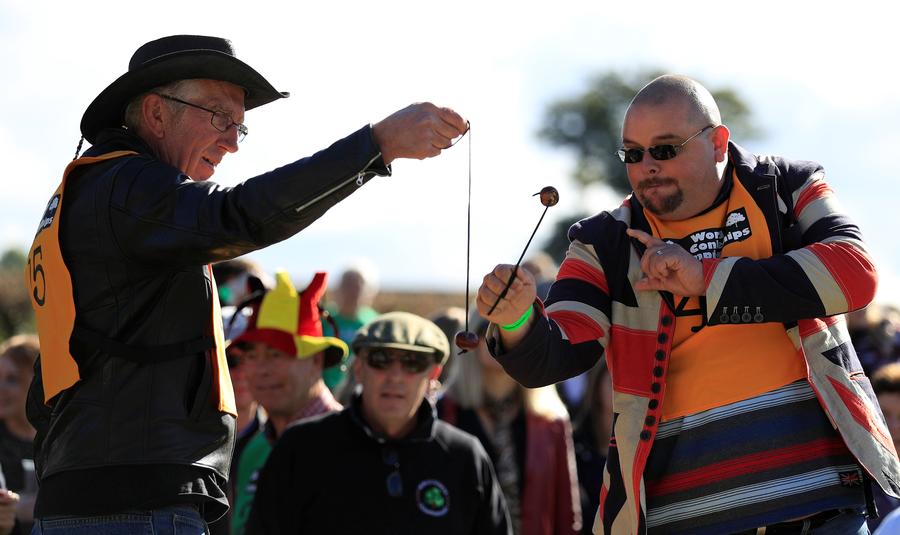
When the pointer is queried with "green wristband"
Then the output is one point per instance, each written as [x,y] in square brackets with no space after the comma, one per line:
[521,321]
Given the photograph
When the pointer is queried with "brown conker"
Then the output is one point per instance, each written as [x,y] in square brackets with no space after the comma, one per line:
[549,196]
[466,340]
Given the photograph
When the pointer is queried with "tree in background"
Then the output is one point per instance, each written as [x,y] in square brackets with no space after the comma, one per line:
[15,308]
[590,125]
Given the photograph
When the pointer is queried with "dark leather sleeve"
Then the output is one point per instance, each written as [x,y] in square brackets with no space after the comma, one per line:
[159,215]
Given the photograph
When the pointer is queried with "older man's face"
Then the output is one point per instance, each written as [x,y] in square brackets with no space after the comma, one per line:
[191,143]
[392,395]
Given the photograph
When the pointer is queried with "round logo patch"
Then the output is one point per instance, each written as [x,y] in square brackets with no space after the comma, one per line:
[432,498]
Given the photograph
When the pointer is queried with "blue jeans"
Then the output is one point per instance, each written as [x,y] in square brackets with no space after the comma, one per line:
[849,523]
[175,520]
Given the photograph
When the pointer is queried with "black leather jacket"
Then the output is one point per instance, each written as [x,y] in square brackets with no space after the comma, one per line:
[136,234]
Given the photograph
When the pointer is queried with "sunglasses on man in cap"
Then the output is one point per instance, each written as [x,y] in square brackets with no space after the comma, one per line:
[412,362]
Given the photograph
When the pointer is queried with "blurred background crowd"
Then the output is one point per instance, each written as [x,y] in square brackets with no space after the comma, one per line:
[523,430]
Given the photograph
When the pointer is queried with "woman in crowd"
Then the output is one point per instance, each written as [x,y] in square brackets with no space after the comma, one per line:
[528,436]
[17,356]
[593,425]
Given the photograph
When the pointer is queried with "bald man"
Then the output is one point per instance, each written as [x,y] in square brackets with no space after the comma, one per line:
[716,293]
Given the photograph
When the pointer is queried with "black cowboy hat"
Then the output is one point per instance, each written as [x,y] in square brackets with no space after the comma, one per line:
[166,60]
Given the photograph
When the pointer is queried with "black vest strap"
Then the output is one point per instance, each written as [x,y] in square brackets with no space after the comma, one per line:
[142,354]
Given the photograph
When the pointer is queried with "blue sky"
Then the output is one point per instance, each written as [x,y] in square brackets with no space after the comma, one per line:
[818,78]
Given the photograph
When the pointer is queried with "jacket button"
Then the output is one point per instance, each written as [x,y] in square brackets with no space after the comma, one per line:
[650,420]
[662,338]
[653,404]
[645,435]
[658,371]
[655,388]
[666,321]
[660,354]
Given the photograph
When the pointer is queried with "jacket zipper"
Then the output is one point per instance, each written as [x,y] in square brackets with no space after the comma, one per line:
[358,177]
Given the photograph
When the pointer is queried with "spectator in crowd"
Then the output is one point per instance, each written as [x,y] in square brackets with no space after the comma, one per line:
[451,320]
[250,414]
[544,269]
[592,428]
[542,266]
[875,332]
[350,310]
[17,357]
[9,500]
[237,279]
[384,464]
[716,292]
[528,436]
[886,384]
[122,289]
[283,355]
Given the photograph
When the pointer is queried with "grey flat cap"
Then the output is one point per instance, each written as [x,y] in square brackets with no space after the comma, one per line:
[402,330]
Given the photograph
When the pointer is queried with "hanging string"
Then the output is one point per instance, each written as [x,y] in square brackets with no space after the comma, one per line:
[468,224]
[466,339]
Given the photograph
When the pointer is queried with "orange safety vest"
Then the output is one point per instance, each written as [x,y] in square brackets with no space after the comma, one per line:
[50,285]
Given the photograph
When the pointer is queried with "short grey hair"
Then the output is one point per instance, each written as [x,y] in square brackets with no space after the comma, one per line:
[133,118]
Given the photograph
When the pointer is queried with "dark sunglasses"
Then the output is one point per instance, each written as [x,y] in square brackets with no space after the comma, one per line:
[658,152]
[410,362]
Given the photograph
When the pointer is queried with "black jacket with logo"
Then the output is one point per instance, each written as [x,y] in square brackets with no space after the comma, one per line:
[333,474]
[136,235]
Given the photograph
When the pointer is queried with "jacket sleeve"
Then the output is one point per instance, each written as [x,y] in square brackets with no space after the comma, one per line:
[827,271]
[159,215]
[572,331]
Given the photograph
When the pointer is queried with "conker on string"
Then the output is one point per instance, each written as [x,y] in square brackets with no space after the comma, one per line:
[549,196]
[466,340]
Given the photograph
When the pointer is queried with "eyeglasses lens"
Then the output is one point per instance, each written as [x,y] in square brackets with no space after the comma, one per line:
[222,122]
[663,152]
[659,152]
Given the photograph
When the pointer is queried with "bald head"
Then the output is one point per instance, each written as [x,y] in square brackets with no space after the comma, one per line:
[675,91]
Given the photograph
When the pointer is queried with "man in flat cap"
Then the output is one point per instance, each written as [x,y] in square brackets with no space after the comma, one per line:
[132,395]
[384,464]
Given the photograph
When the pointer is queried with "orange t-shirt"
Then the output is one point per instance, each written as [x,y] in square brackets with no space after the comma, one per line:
[711,366]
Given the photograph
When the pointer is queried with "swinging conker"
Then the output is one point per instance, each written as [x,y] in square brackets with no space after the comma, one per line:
[466,340]
[549,196]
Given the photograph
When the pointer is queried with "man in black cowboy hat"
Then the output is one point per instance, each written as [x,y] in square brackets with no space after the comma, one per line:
[131,394]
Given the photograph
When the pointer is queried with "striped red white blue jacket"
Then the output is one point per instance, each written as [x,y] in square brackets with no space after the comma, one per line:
[819,270]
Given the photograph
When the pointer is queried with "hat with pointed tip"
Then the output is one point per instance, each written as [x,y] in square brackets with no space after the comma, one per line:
[290,321]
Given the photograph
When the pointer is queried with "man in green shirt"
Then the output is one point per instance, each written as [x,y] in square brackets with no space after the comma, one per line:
[284,353]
